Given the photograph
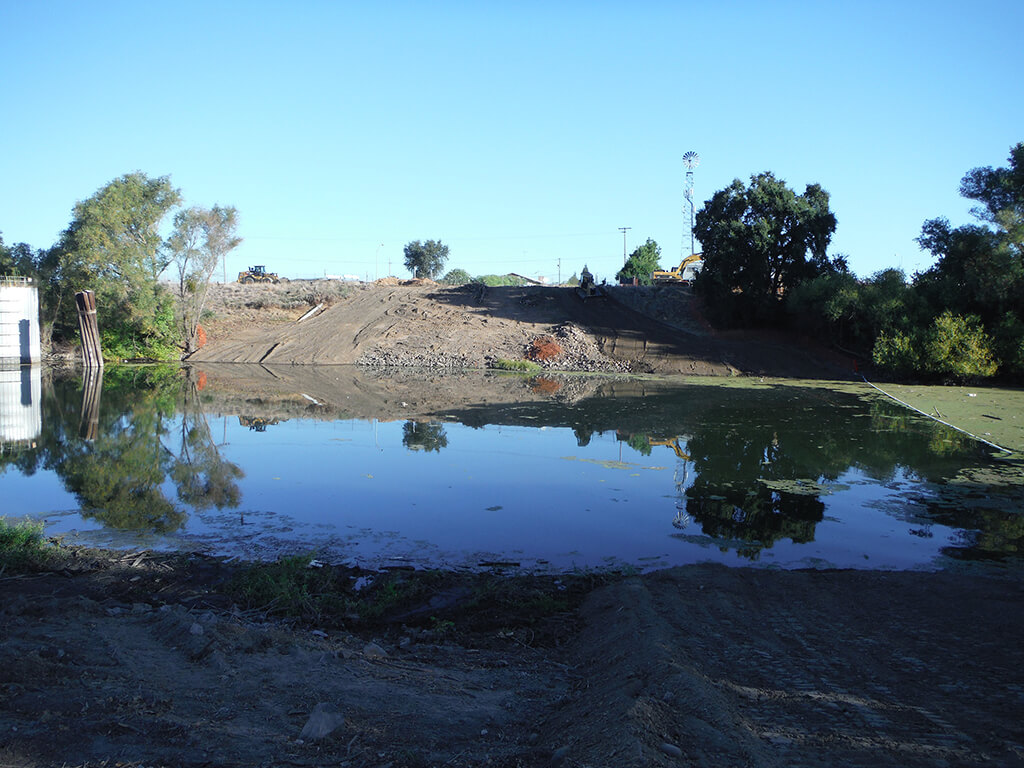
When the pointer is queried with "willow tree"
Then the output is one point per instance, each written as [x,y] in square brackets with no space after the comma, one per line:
[113,247]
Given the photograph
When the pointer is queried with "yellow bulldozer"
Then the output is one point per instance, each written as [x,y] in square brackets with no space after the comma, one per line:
[258,274]
[678,274]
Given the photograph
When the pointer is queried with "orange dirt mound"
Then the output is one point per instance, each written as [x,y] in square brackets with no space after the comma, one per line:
[544,348]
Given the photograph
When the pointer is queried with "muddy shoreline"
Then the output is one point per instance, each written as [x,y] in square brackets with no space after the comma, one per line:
[145,659]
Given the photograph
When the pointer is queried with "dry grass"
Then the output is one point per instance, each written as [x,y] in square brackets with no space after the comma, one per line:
[289,295]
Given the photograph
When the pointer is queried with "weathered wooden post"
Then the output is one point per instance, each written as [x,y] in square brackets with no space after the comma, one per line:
[92,354]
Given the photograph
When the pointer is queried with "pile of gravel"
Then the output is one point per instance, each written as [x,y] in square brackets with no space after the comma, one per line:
[580,352]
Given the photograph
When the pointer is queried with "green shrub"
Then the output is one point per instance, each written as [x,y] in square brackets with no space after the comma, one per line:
[498,280]
[524,366]
[457,277]
[290,587]
[22,546]
[958,347]
[897,353]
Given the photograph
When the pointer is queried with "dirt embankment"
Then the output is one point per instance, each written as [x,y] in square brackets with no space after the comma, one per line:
[142,661]
[419,323]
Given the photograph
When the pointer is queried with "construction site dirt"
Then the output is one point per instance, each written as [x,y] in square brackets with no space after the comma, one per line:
[138,659]
[635,329]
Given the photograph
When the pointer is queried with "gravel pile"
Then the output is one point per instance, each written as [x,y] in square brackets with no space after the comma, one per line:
[581,353]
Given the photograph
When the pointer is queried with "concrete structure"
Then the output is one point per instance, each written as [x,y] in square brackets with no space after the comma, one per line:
[19,321]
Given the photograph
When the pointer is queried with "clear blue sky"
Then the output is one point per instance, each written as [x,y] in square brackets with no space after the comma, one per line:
[517,133]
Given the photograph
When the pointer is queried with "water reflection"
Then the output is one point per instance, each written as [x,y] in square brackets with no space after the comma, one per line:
[150,429]
[427,436]
[674,473]
[20,413]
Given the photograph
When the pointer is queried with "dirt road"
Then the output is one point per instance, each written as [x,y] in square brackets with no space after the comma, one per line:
[419,323]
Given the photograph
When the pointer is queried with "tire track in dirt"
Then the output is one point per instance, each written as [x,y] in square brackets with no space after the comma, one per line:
[723,665]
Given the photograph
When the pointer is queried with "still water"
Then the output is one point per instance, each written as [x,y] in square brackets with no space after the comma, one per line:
[472,469]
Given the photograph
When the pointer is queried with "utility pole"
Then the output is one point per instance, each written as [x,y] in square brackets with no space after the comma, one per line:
[559,270]
[624,230]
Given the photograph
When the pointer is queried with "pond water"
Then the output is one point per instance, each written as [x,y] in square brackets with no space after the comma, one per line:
[474,469]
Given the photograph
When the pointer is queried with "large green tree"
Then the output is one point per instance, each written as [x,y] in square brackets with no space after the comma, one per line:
[113,247]
[1000,192]
[641,263]
[759,242]
[17,259]
[978,275]
[425,259]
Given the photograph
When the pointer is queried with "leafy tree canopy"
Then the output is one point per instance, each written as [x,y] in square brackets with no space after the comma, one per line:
[493,281]
[979,269]
[113,247]
[760,241]
[1000,192]
[425,259]
[115,233]
[17,259]
[641,263]
[457,277]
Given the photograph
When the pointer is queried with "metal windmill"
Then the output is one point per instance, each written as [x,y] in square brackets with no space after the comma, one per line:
[690,160]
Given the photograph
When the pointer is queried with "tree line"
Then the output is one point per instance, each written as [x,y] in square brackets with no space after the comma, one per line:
[114,247]
[766,263]
[427,260]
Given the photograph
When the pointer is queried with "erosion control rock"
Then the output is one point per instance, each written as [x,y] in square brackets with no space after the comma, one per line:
[324,720]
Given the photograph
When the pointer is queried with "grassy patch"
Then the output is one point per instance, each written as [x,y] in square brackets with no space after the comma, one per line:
[522,366]
[22,546]
[444,605]
[291,587]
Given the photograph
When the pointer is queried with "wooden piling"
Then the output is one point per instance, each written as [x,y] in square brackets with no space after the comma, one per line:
[92,355]
[92,387]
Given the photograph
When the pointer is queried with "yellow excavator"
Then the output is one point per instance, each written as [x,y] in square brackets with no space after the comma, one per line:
[676,275]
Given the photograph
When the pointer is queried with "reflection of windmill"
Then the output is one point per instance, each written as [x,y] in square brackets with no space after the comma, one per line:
[682,518]
[690,160]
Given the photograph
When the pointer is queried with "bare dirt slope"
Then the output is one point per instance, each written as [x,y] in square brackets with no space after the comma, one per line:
[842,668]
[698,666]
[420,323]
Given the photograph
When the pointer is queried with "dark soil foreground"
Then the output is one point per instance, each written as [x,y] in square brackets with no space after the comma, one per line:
[142,659]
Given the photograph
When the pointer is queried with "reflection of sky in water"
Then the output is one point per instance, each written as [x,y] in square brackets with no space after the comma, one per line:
[352,491]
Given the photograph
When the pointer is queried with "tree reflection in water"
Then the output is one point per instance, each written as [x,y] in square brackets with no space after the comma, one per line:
[118,477]
[760,472]
[424,436]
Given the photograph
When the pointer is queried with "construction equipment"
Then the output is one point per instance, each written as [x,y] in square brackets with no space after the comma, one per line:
[682,517]
[258,274]
[587,286]
[678,275]
[257,423]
